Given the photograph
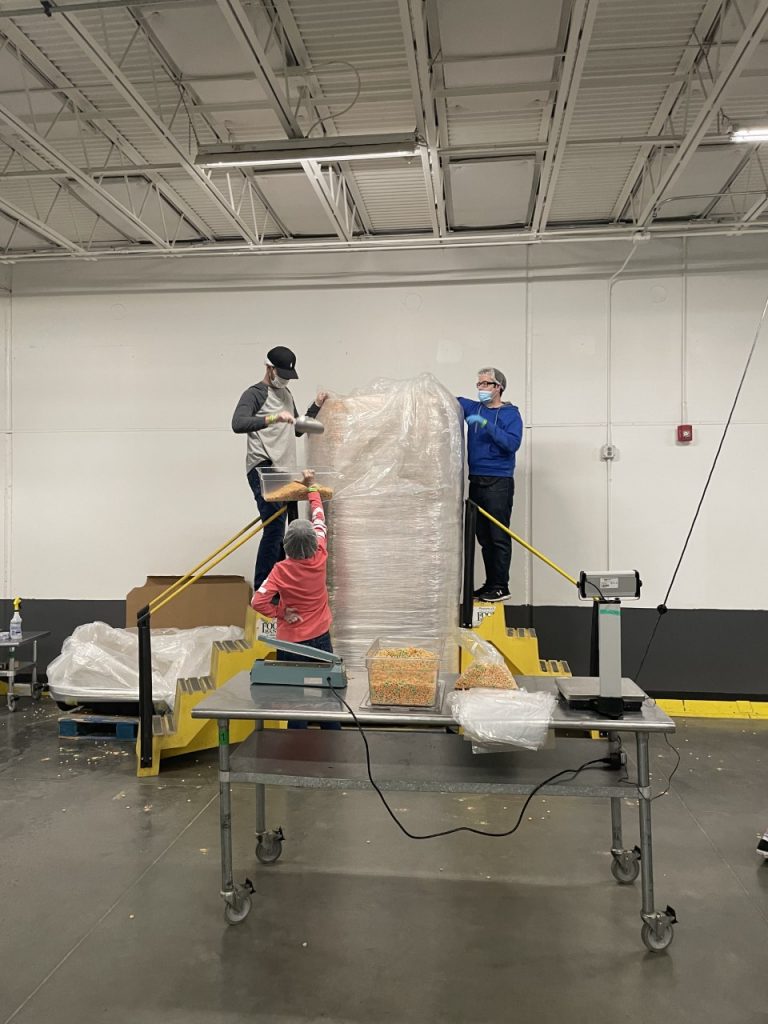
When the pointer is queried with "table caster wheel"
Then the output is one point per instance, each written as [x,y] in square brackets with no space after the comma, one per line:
[12,701]
[236,912]
[658,936]
[625,867]
[270,846]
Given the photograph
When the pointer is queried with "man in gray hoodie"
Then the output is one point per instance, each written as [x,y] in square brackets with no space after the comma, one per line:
[266,412]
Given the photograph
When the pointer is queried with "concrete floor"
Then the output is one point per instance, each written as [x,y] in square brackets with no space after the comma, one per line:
[110,908]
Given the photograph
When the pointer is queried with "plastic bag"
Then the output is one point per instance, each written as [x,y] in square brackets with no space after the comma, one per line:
[101,663]
[514,717]
[488,669]
[396,452]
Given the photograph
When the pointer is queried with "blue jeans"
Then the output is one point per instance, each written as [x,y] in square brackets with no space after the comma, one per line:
[320,643]
[271,544]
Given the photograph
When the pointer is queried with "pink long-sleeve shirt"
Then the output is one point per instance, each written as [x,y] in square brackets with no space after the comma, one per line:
[301,586]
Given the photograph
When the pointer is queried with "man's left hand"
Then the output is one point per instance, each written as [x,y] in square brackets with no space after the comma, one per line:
[476,418]
[321,397]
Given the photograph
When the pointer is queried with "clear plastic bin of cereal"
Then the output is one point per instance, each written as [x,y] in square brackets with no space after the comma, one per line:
[404,672]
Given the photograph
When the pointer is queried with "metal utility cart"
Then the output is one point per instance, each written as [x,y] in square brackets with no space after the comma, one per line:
[423,760]
[11,666]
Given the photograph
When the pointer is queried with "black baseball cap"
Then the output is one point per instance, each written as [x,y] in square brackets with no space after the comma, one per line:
[282,359]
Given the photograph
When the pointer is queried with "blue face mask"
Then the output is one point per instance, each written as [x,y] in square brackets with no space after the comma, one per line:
[484,396]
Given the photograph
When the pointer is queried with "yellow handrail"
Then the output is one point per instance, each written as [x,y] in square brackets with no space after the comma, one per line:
[526,545]
[182,579]
[157,604]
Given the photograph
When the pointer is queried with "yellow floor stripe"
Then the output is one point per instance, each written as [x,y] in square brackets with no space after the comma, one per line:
[714,708]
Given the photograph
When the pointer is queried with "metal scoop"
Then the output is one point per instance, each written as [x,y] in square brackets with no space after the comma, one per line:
[308,425]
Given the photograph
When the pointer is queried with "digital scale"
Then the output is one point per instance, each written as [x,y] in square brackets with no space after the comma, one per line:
[607,694]
[321,670]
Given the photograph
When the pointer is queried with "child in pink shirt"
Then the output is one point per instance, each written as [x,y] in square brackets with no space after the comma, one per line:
[299,581]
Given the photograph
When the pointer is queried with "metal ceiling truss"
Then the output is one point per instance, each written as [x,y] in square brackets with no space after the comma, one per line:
[579,34]
[45,71]
[329,186]
[705,88]
[412,20]
[244,180]
[436,82]
[230,206]
[315,100]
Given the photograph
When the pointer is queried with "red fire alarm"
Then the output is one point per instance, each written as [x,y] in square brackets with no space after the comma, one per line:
[684,433]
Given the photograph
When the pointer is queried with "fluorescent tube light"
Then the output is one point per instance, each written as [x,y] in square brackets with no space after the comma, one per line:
[291,152]
[755,135]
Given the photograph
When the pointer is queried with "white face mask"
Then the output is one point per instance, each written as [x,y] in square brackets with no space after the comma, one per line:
[278,381]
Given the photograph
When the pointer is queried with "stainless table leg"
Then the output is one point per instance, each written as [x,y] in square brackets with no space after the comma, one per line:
[237,900]
[269,843]
[11,698]
[36,690]
[657,930]
[625,864]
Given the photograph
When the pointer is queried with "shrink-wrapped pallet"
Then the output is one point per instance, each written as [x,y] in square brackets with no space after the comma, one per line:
[396,451]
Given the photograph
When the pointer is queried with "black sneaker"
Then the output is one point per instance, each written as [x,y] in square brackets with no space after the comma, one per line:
[480,590]
[494,594]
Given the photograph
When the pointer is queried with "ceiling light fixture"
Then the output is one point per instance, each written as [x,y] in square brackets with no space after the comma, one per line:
[291,152]
[754,135]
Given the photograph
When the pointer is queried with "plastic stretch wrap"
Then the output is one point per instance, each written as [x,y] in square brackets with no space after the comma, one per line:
[503,717]
[101,663]
[396,450]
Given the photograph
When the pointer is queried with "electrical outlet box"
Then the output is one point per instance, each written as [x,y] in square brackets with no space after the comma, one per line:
[684,433]
[609,452]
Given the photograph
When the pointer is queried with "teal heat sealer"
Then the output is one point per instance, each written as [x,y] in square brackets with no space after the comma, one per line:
[321,670]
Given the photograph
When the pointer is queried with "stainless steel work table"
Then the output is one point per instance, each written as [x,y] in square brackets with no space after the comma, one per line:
[11,665]
[407,758]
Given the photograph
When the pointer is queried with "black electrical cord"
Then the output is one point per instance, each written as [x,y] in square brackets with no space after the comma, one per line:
[634,784]
[601,761]
[662,608]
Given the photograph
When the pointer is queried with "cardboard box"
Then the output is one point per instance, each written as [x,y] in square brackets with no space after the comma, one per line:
[211,601]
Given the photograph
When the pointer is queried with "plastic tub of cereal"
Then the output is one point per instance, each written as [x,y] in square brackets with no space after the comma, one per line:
[281,485]
[404,673]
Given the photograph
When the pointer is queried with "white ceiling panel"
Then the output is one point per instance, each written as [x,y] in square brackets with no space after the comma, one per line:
[491,193]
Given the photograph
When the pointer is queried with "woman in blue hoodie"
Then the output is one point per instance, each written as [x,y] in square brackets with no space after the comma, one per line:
[494,433]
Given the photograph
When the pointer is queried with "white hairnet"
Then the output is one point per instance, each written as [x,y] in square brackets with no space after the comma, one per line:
[300,540]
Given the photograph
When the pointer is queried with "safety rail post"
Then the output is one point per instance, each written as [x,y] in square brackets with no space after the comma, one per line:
[467,599]
[146,707]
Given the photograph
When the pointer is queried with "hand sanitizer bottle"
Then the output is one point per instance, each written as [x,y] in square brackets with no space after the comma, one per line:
[16,620]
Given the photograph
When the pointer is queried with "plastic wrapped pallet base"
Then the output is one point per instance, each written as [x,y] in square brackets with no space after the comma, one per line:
[396,450]
[101,663]
[503,717]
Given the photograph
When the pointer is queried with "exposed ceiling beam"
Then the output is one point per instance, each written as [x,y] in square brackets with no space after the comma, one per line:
[579,33]
[319,100]
[133,97]
[708,22]
[92,190]
[417,56]
[737,59]
[40,228]
[45,70]
[237,19]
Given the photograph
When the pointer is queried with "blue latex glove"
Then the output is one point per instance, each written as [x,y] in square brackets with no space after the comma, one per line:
[476,418]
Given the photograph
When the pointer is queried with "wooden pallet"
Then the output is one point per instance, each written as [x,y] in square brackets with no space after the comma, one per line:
[85,726]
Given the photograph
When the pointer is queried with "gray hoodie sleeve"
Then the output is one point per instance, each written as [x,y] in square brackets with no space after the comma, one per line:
[246,418]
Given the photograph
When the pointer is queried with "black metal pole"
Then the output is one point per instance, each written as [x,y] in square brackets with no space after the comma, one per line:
[467,600]
[146,708]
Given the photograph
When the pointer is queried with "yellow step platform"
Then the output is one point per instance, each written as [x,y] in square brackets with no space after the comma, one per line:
[519,646]
[178,732]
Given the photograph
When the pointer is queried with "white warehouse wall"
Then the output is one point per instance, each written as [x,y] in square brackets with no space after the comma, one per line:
[123,462]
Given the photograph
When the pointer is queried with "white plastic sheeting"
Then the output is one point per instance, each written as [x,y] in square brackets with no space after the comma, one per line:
[396,449]
[493,718]
[101,663]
